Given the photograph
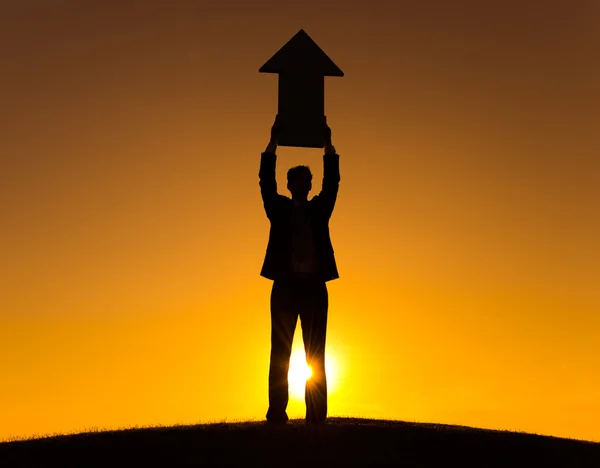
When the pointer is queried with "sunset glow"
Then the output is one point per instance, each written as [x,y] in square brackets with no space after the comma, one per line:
[466,229]
[300,372]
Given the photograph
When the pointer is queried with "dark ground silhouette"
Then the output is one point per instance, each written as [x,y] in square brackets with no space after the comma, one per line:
[339,442]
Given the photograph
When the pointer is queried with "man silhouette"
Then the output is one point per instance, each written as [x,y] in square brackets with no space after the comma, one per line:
[299,260]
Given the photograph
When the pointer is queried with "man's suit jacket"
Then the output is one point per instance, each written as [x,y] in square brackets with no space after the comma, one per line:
[280,210]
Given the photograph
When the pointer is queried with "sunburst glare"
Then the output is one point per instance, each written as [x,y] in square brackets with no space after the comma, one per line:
[300,372]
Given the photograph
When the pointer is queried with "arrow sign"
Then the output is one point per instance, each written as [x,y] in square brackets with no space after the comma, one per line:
[302,67]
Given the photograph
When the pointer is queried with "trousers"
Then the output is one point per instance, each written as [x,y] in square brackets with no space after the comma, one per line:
[307,299]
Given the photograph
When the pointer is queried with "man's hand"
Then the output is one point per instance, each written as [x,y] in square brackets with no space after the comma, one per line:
[275,132]
[329,149]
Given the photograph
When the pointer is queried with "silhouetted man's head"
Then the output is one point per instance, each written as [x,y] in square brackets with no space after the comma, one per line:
[299,182]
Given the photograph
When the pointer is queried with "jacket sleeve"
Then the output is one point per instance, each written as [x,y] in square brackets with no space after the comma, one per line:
[331,182]
[268,183]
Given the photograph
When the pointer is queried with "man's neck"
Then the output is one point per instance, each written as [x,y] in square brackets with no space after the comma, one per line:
[300,201]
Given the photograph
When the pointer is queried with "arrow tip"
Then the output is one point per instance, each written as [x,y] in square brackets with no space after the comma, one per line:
[301,54]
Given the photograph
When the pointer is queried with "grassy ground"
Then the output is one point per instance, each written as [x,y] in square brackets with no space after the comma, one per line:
[340,442]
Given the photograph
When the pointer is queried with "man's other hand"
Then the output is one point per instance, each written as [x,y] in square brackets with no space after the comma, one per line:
[275,132]
[276,129]
[329,149]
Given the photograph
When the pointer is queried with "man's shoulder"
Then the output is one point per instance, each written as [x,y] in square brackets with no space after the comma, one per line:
[284,201]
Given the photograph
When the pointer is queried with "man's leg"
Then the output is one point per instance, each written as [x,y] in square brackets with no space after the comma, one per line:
[283,324]
[313,318]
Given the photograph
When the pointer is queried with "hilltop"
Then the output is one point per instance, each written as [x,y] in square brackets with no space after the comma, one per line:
[340,442]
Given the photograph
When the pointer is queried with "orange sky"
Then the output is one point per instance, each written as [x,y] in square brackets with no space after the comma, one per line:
[467,228]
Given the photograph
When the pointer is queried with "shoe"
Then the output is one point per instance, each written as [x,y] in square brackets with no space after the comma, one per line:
[278,418]
[315,422]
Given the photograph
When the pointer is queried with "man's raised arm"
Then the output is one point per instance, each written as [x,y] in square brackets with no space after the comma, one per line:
[266,174]
[331,175]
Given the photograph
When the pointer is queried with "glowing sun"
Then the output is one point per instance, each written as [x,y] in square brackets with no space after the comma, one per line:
[300,372]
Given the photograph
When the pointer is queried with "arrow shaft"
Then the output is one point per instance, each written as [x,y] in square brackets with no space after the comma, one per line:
[302,95]
[301,109]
